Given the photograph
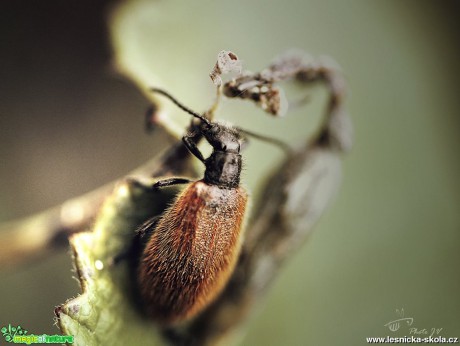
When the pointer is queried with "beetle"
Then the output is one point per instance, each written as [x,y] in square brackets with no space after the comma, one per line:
[189,252]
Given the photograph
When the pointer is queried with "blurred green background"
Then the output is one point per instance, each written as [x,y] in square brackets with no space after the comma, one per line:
[69,123]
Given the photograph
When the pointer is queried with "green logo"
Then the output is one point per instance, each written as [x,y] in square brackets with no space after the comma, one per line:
[18,335]
[10,332]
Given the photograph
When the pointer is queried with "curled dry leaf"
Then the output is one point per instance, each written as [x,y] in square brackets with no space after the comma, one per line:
[262,87]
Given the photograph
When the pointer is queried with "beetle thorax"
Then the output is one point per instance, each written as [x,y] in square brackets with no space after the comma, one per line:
[223,169]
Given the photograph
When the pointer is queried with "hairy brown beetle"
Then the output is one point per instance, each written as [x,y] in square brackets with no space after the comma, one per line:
[189,252]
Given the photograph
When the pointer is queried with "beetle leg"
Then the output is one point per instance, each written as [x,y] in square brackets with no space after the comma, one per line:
[190,143]
[154,186]
[170,182]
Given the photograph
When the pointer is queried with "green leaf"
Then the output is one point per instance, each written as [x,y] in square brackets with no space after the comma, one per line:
[104,314]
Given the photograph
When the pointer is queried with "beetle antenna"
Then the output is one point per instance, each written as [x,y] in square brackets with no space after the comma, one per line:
[279,143]
[180,105]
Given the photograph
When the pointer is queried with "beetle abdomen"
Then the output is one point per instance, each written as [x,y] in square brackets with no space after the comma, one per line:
[192,252]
